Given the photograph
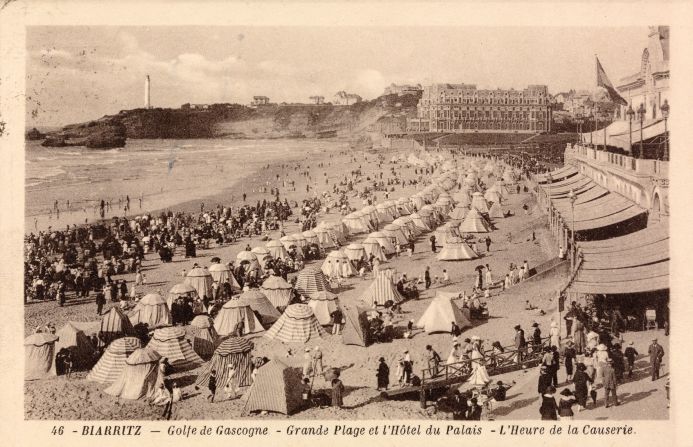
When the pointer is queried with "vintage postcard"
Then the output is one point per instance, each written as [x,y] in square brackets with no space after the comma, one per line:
[284,222]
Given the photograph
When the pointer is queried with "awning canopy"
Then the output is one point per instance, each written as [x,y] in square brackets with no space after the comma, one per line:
[617,133]
[595,207]
[635,263]
[557,175]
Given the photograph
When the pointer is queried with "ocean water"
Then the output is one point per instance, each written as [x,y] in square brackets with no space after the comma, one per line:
[163,172]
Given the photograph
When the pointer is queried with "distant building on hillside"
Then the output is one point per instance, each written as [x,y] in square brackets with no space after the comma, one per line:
[259,101]
[404,89]
[317,100]
[343,98]
[460,108]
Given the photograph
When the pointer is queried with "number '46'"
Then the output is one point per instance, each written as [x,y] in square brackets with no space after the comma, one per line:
[57,430]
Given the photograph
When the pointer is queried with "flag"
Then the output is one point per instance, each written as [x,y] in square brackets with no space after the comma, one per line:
[604,82]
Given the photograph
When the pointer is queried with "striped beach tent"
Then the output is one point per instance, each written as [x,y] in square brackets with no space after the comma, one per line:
[384,241]
[201,279]
[492,195]
[39,356]
[310,281]
[323,305]
[474,223]
[232,313]
[221,273]
[296,325]
[496,211]
[381,290]
[115,324]
[261,305]
[151,310]
[72,338]
[249,257]
[324,237]
[373,247]
[139,376]
[234,352]
[395,233]
[278,387]
[479,203]
[357,327]
[356,252]
[112,362]
[277,290]
[311,237]
[277,250]
[170,343]
[181,290]
[337,263]
[289,241]
[420,222]
[455,249]
[204,336]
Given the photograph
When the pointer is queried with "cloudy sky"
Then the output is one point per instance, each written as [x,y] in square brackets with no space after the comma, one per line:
[76,74]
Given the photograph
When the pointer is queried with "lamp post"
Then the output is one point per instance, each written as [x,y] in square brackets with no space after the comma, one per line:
[595,113]
[589,117]
[665,114]
[606,119]
[630,113]
[550,179]
[572,197]
[641,118]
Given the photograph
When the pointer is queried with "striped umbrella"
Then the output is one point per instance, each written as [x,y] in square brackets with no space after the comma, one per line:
[311,280]
[170,343]
[233,352]
[112,362]
[296,325]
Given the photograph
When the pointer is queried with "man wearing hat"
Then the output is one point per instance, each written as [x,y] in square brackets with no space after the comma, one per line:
[609,381]
[536,336]
[656,353]
[630,354]
[520,343]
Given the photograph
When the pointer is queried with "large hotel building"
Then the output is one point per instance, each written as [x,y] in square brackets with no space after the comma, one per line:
[462,108]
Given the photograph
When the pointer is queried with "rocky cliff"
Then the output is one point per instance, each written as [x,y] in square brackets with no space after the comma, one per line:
[235,121]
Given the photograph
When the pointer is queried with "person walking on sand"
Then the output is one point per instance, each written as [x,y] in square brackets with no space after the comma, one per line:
[383,375]
[317,361]
[656,353]
[307,363]
[630,354]
[488,245]
[548,409]
[610,383]
[212,386]
[427,277]
[489,276]
[581,380]
[337,393]
[433,243]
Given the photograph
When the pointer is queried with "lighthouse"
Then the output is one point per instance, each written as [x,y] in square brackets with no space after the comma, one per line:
[147,103]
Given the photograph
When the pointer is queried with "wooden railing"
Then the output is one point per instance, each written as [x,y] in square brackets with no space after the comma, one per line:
[495,363]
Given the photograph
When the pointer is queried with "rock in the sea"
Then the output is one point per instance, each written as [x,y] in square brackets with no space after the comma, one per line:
[34,134]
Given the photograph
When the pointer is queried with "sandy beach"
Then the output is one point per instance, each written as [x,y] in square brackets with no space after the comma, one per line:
[60,398]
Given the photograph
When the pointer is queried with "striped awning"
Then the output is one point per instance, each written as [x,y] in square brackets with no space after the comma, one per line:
[638,262]
[557,175]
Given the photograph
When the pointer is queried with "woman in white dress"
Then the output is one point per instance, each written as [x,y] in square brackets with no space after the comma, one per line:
[454,356]
[335,270]
[479,375]
[231,389]
[554,333]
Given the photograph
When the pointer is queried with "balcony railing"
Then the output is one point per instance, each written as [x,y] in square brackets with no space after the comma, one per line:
[622,162]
